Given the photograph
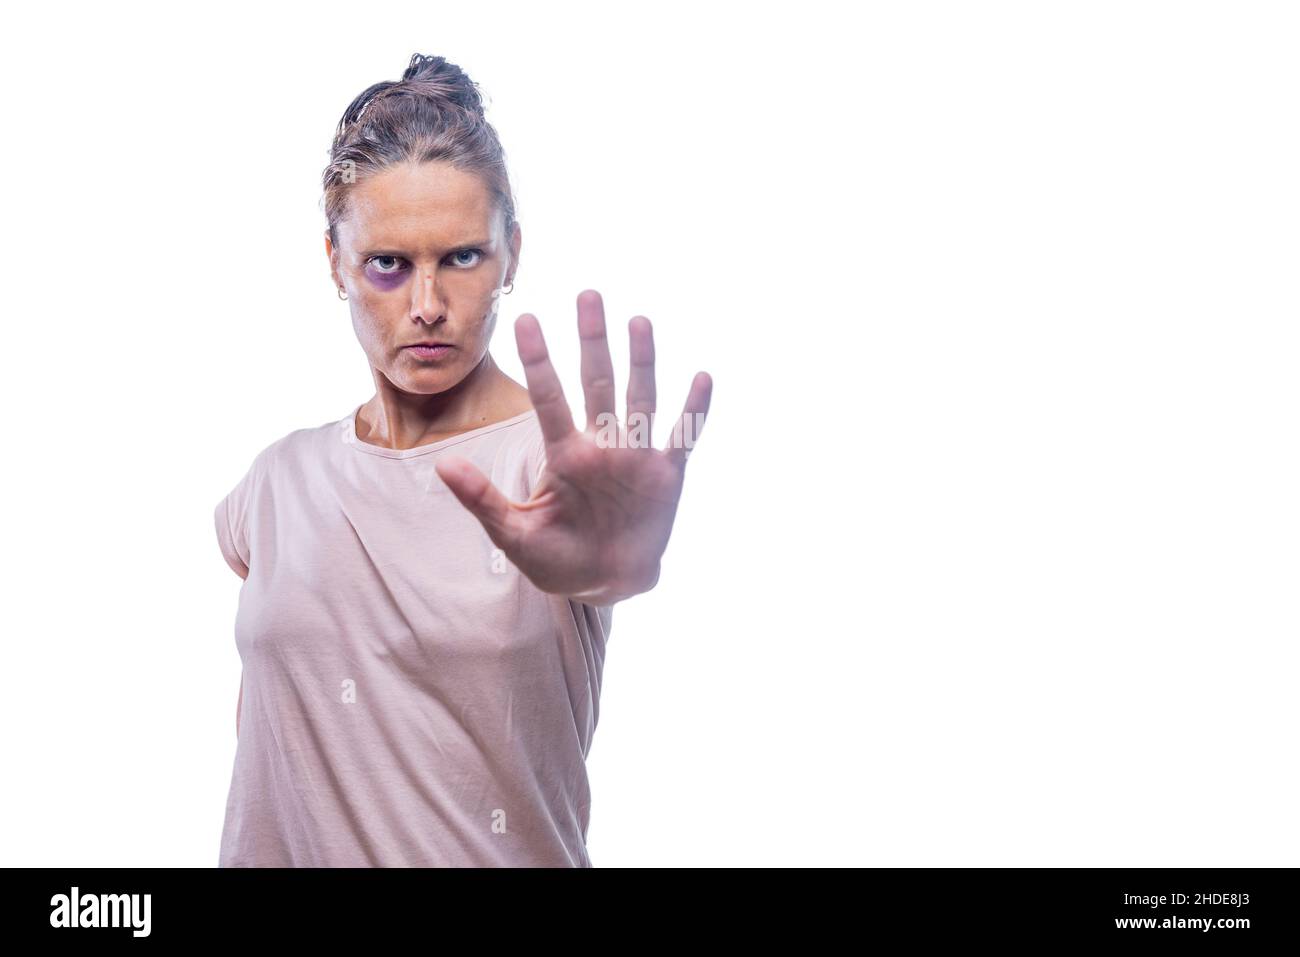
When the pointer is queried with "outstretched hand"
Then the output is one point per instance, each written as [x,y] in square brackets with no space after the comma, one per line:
[599,519]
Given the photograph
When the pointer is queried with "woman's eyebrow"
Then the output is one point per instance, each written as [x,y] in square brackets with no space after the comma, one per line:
[396,251]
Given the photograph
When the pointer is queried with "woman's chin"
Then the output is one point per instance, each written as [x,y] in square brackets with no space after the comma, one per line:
[426,382]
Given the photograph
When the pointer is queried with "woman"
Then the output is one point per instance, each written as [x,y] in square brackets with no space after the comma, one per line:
[429,581]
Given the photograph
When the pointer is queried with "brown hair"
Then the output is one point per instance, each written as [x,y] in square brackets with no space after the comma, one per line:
[434,113]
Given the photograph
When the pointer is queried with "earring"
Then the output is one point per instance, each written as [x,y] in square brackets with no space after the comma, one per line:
[506,292]
[342,293]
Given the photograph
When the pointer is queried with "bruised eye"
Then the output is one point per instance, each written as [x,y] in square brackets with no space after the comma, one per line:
[382,266]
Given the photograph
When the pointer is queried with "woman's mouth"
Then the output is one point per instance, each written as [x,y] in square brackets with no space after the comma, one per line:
[429,350]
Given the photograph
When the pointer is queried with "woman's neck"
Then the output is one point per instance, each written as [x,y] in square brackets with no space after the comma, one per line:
[401,420]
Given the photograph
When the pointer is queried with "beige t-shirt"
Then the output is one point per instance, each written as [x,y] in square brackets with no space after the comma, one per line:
[410,698]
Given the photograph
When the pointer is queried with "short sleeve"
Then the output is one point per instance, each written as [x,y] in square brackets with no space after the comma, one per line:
[233,548]
[231,517]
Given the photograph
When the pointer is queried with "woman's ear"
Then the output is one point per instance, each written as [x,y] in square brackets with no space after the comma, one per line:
[332,255]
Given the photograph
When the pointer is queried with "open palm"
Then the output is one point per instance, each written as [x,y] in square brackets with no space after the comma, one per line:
[600,517]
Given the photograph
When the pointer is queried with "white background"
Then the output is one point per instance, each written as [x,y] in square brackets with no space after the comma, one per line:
[988,552]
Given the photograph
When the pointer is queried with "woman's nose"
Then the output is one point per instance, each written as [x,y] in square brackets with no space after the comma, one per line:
[426,300]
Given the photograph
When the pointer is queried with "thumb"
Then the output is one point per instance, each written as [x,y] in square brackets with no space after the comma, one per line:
[473,490]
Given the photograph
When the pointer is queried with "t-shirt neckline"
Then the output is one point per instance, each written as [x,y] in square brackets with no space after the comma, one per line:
[348,430]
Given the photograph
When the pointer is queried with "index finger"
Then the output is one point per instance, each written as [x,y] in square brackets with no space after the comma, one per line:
[553,413]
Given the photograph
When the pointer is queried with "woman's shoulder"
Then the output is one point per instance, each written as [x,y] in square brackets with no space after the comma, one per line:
[299,443]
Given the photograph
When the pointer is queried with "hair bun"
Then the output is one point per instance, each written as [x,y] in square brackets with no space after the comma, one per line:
[438,77]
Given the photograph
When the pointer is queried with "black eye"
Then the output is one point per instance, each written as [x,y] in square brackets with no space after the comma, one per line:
[378,260]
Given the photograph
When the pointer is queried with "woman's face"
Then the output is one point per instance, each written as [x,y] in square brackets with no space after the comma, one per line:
[421,254]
